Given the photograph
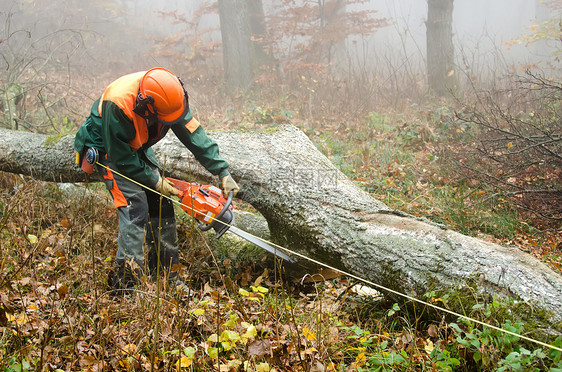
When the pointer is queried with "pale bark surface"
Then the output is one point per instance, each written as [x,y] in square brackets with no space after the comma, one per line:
[311,208]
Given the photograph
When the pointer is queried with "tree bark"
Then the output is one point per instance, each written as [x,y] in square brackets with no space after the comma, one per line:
[440,50]
[313,209]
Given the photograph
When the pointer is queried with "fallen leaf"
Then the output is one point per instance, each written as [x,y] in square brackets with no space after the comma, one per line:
[428,346]
[66,340]
[259,348]
[311,336]
[183,362]
[62,290]
[124,365]
[86,360]
[213,352]
[250,333]
[263,367]
[310,350]
[360,360]
[19,320]
[317,367]
[322,275]
[432,331]
[129,349]
[197,311]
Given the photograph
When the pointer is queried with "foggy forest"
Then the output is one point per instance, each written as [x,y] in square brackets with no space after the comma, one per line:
[407,156]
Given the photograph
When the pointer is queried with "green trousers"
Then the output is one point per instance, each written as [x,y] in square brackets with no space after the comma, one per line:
[145,220]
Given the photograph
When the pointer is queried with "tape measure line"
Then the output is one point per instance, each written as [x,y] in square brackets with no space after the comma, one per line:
[378,286]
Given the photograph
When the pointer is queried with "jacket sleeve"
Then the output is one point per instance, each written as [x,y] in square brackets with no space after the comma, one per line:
[205,150]
[117,132]
[89,133]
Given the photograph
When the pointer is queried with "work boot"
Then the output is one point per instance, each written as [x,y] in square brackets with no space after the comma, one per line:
[124,278]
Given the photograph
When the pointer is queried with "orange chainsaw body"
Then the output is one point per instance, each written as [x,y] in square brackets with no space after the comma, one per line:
[212,210]
[204,203]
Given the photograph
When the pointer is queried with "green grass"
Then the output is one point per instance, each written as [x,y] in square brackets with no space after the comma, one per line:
[398,163]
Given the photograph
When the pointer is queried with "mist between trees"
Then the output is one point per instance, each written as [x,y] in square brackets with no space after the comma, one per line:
[351,55]
[325,63]
[443,109]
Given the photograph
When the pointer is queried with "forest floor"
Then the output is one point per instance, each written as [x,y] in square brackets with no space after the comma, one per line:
[410,161]
[57,251]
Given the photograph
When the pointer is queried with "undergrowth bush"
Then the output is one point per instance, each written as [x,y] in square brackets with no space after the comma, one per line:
[410,160]
[56,314]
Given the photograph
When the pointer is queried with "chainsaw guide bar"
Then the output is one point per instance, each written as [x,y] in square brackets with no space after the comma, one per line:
[212,210]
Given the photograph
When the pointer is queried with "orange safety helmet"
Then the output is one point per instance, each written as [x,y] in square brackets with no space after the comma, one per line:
[165,94]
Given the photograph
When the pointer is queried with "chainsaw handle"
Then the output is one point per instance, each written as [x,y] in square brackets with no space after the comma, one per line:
[205,227]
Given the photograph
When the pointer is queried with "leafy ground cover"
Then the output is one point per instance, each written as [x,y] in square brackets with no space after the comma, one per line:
[57,246]
[410,161]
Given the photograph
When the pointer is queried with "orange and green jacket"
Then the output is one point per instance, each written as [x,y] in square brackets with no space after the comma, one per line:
[114,129]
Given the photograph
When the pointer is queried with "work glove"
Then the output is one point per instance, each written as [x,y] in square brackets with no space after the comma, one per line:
[165,187]
[228,185]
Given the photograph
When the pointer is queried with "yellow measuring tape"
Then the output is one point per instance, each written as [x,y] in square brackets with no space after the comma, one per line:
[381,287]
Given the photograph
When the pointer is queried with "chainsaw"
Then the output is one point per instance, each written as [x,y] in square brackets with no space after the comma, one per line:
[212,210]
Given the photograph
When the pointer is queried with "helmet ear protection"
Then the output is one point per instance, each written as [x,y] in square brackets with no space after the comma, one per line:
[141,107]
[184,93]
[145,105]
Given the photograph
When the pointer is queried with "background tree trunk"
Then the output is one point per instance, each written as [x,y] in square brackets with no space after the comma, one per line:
[243,36]
[332,13]
[256,17]
[440,50]
[236,43]
[313,209]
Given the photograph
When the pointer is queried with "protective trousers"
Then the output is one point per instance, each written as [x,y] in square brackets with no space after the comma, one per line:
[144,218]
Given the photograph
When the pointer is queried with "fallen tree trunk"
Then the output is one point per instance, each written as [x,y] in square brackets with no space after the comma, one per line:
[312,209]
